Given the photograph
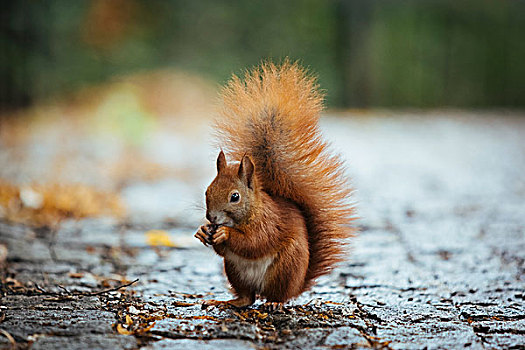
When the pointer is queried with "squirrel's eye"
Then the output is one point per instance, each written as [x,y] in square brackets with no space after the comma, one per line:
[235,197]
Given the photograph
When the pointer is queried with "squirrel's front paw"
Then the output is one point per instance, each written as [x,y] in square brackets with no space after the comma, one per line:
[221,235]
[203,235]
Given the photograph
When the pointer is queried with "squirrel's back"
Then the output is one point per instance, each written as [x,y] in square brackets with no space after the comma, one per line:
[272,115]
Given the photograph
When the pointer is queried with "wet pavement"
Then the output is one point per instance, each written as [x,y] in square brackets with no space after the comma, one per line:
[439,261]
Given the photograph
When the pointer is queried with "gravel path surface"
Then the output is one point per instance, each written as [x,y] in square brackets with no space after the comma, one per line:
[439,262]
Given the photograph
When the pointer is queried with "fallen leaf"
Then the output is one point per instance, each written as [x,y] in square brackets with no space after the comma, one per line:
[182,304]
[48,204]
[76,274]
[144,330]
[13,283]
[211,318]
[122,330]
[159,238]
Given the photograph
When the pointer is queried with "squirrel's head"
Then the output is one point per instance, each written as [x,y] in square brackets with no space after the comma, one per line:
[232,194]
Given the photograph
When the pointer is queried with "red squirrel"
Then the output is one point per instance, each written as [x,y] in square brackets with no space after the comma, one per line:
[279,214]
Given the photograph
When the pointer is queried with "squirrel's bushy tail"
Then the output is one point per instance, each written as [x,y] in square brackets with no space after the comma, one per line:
[272,115]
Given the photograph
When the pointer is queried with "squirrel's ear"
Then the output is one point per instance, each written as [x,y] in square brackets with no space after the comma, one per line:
[246,171]
[221,162]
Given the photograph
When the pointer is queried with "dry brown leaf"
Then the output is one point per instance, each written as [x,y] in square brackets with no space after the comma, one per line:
[182,304]
[13,283]
[76,274]
[122,330]
[211,318]
[144,330]
[48,204]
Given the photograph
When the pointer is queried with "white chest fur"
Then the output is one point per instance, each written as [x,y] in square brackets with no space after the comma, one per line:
[251,272]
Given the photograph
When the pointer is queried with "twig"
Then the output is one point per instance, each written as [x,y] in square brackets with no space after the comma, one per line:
[9,337]
[42,290]
[63,288]
[67,292]
[107,290]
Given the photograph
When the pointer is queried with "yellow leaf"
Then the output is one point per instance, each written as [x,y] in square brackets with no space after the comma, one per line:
[159,238]
[147,329]
[129,321]
[122,330]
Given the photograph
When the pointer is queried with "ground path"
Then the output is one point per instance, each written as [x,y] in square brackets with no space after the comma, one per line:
[439,262]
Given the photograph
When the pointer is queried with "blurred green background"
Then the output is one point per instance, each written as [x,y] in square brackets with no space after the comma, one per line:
[366,53]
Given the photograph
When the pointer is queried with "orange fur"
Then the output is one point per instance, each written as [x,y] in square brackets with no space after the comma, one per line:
[297,209]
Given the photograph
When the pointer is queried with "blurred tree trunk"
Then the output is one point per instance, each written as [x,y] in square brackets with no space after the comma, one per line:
[14,75]
[354,19]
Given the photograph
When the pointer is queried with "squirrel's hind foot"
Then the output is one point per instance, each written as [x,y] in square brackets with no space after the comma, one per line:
[273,306]
[240,302]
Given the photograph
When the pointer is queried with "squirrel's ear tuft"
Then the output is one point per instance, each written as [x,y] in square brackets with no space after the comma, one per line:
[246,171]
[221,162]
